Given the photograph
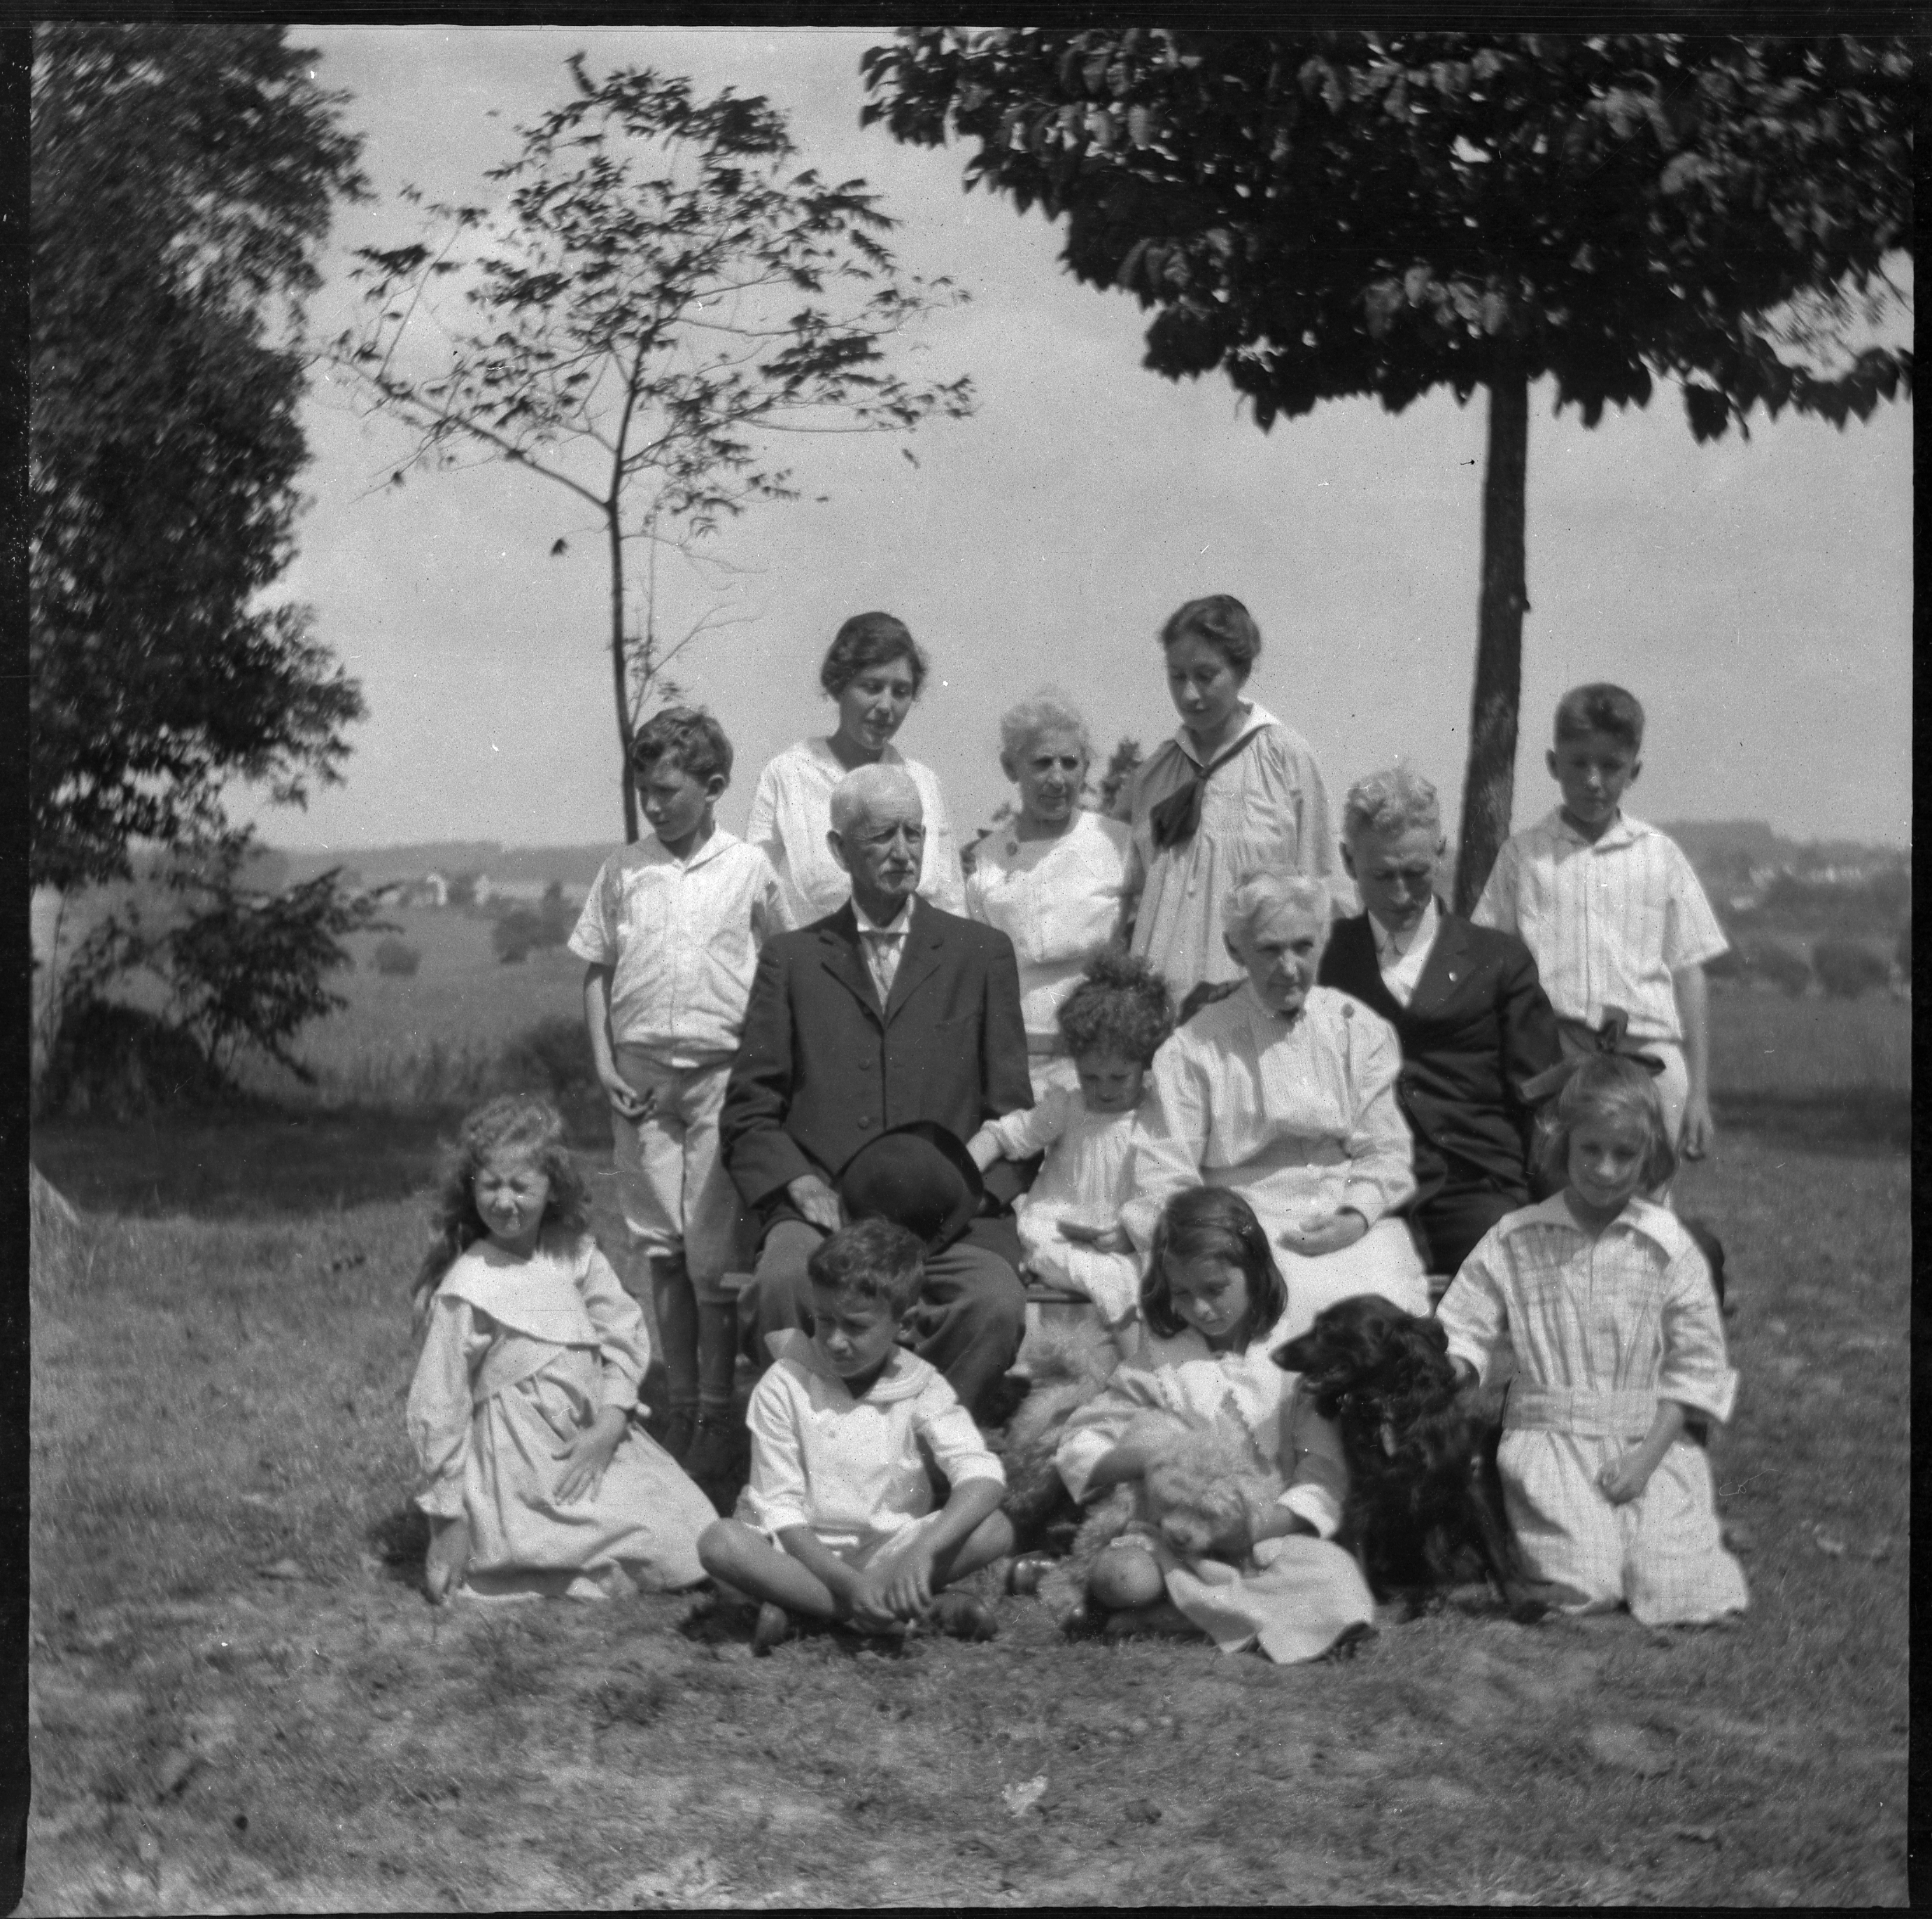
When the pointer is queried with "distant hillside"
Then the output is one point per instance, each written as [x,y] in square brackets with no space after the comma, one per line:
[575,866]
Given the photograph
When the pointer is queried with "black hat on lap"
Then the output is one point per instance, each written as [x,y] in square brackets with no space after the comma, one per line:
[919,1176]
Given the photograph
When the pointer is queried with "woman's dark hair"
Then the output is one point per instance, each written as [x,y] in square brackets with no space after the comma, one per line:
[869,640]
[1121,1003]
[1210,1223]
[1224,622]
[518,1123]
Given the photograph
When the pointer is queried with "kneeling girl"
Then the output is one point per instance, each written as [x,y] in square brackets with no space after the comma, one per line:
[1213,1304]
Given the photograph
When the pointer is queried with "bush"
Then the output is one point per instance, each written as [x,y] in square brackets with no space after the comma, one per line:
[554,1054]
[120,1063]
[514,934]
[1783,966]
[1845,969]
[397,960]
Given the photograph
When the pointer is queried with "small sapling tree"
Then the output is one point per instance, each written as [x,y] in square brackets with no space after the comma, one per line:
[663,293]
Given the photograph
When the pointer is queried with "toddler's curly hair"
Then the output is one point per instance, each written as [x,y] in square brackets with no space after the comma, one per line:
[518,1123]
[1121,1004]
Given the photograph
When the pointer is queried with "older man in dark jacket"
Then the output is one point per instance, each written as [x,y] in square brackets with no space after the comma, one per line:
[1466,1005]
[889,1011]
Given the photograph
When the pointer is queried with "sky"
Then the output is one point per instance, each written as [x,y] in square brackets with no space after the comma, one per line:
[1756,597]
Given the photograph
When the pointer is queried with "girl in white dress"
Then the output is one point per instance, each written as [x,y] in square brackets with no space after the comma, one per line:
[1608,1305]
[1069,1222]
[1235,791]
[874,669]
[520,1411]
[1214,1303]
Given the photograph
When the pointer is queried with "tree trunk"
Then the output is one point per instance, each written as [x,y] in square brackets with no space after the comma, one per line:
[1488,785]
[618,677]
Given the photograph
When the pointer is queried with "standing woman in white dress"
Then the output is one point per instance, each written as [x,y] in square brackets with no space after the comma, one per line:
[1233,793]
[1053,879]
[874,669]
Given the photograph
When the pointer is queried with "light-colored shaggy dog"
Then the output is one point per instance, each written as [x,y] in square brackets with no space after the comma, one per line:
[1070,1362]
[1204,1489]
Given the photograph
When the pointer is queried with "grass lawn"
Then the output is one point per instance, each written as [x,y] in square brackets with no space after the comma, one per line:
[241,1701]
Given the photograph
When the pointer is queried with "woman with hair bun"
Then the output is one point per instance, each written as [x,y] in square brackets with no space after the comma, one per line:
[1053,879]
[874,669]
[1233,792]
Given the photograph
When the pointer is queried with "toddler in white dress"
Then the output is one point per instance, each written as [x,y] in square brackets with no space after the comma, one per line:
[1070,1227]
[1608,1305]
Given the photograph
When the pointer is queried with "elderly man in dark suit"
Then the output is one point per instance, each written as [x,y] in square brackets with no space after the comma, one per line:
[889,1011]
[1466,1005]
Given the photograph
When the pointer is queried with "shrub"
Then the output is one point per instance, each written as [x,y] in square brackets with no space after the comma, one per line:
[120,1063]
[1783,966]
[514,934]
[555,1054]
[397,960]
[1845,969]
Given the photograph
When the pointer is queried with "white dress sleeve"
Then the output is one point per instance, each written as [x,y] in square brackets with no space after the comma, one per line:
[1092,1430]
[624,1346]
[1170,1136]
[1318,1472]
[438,1413]
[1028,1130]
[1474,1312]
[763,831]
[1381,1152]
[1697,1371]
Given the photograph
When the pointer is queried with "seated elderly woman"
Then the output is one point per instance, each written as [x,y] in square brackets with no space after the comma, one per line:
[1052,878]
[1285,1092]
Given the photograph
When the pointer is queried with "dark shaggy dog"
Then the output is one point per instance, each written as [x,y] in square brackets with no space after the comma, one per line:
[1424,1510]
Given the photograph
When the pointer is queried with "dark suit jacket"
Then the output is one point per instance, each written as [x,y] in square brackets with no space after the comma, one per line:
[1477,1027]
[822,1068]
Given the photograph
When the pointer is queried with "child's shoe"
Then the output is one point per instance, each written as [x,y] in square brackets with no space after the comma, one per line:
[1024,1576]
[774,1628]
[960,1615]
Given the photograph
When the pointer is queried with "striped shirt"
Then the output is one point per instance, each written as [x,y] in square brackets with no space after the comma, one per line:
[681,938]
[1609,922]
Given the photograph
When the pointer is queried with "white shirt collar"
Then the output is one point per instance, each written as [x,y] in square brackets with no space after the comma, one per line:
[1620,832]
[1258,717]
[1391,947]
[895,928]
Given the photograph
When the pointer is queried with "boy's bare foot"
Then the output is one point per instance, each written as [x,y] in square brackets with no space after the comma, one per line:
[1024,1575]
[448,1554]
[773,1628]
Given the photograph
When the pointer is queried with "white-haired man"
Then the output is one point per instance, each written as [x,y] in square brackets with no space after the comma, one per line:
[1466,1004]
[1284,1092]
[886,1012]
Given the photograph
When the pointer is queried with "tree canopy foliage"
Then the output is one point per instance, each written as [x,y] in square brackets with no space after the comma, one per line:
[1322,215]
[662,292]
[182,181]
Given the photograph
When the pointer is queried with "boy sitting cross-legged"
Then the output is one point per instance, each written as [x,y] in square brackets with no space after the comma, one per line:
[837,1521]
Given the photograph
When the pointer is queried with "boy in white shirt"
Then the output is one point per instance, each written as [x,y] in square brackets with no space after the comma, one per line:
[672,929]
[837,1521]
[1612,910]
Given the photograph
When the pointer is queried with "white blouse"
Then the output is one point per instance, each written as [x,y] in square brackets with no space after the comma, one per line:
[791,814]
[1058,901]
